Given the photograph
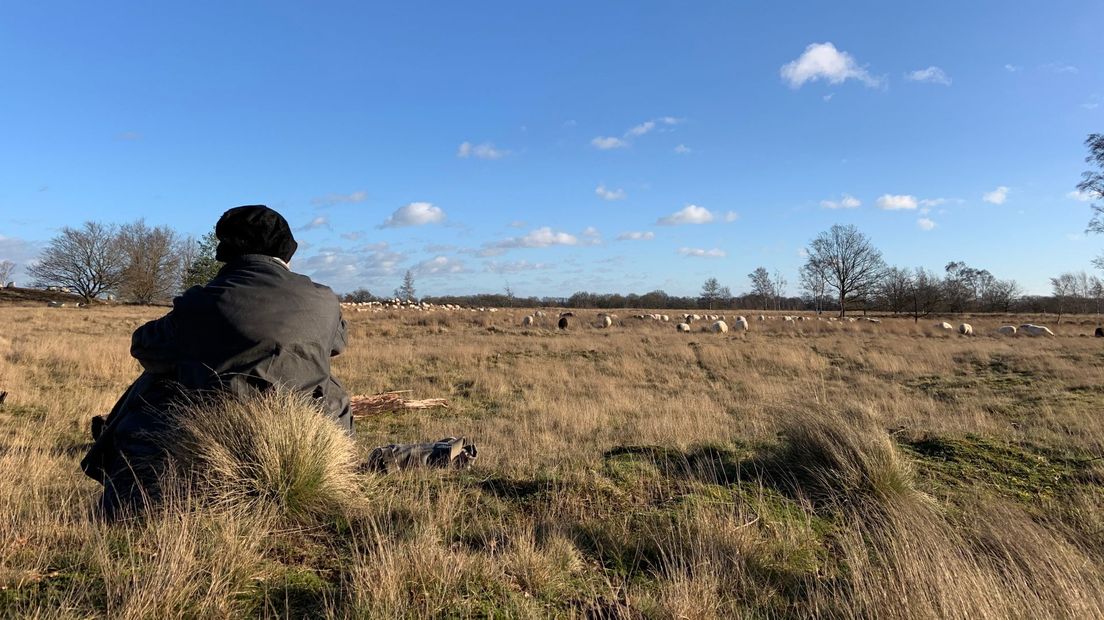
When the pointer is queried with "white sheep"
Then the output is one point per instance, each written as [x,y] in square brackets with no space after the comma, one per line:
[740,324]
[683,327]
[527,321]
[1007,330]
[719,327]
[945,326]
[1035,330]
[966,329]
[605,321]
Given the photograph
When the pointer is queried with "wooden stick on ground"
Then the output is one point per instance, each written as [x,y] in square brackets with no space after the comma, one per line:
[364,404]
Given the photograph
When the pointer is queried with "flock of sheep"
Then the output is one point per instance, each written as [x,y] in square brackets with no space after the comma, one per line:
[1029,329]
[714,323]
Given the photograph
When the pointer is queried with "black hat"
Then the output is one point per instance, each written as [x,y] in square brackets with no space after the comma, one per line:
[254,229]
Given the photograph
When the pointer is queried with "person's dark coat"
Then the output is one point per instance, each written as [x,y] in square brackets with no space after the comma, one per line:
[254,326]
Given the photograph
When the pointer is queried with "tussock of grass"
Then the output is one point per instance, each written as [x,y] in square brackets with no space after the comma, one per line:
[841,457]
[275,449]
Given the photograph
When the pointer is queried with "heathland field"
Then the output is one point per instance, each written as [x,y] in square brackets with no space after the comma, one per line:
[801,469]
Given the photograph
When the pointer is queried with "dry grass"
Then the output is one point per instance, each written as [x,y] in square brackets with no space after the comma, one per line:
[840,470]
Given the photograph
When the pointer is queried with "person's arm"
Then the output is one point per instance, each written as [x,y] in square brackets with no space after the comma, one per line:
[340,339]
[155,346]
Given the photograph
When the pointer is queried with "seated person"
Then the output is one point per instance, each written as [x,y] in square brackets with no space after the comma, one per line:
[254,326]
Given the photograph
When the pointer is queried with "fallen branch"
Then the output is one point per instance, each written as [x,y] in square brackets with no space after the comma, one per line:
[364,404]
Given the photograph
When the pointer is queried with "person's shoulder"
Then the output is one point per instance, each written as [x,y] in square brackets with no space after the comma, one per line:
[319,289]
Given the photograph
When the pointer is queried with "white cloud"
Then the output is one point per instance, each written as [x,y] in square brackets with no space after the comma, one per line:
[592,235]
[319,222]
[641,129]
[933,202]
[1060,67]
[932,75]
[682,149]
[700,253]
[803,252]
[846,202]
[925,223]
[605,143]
[415,214]
[610,194]
[129,136]
[690,214]
[373,266]
[896,202]
[636,236]
[822,61]
[540,238]
[333,199]
[997,196]
[1081,196]
[439,266]
[1012,68]
[1075,236]
[515,266]
[1090,106]
[485,150]
[731,216]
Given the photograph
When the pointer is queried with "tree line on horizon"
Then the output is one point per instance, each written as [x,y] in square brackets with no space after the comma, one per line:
[843,271]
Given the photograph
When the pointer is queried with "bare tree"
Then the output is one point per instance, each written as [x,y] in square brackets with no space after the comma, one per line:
[894,289]
[761,286]
[1096,293]
[925,293]
[999,295]
[849,264]
[1092,185]
[1066,292]
[7,268]
[815,287]
[153,262]
[778,283]
[88,260]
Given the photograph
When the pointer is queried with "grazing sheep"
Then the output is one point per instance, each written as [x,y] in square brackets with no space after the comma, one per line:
[563,323]
[527,321]
[55,304]
[966,329]
[762,317]
[788,319]
[1035,330]
[740,324]
[719,327]
[1007,330]
[605,322]
[1099,333]
[665,318]
[684,327]
[539,314]
[945,326]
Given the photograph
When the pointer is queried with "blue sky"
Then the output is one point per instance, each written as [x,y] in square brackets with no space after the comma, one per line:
[556,147]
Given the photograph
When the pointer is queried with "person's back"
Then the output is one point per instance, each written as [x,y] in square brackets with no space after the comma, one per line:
[254,326]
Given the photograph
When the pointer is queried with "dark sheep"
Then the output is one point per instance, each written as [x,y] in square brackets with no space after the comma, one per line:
[1099,332]
[563,322]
